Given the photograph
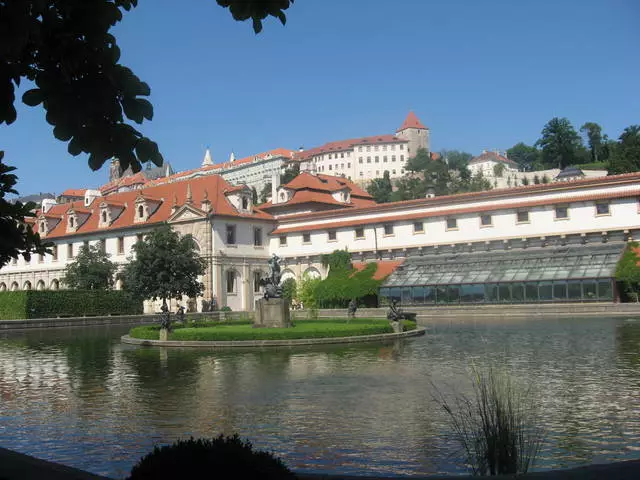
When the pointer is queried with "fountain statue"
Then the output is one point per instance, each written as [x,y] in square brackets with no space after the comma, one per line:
[272,310]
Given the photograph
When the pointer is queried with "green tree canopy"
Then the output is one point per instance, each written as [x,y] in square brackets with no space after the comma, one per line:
[90,270]
[560,144]
[291,172]
[381,188]
[628,271]
[16,235]
[166,265]
[625,156]
[456,159]
[526,156]
[593,132]
[419,162]
[265,193]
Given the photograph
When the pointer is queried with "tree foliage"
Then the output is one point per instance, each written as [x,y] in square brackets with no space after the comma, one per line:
[381,189]
[593,132]
[289,289]
[166,265]
[628,271]
[456,159]
[291,172]
[419,162]
[17,237]
[265,193]
[560,144]
[90,270]
[625,156]
[526,156]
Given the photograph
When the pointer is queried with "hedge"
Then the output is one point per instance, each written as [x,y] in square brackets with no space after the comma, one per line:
[67,303]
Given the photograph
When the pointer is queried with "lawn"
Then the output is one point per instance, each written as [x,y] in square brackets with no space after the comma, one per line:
[220,331]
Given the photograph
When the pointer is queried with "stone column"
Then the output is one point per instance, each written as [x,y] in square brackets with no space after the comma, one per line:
[246,287]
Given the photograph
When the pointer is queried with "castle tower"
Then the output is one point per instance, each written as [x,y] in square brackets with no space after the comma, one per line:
[413,130]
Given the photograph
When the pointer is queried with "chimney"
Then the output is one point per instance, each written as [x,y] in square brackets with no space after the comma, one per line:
[275,183]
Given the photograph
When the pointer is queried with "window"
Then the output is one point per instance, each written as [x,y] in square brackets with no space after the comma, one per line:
[332,235]
[104,216]
[402,158]
[368,159]
[257,276]
[359,149]
[245,203]
[562,212]
[14,261]
[452,223]
[257,237]
[359,159]
[54,253]
[330,166]
[523,216]
[40,258]
[283,240]
[120,245]
[341,154]
[306,237]
[377,159]
[140,211]
[401,146]
[231,234]
[388,229]
[71,222]
[418,227]
[602,208]
[341,166]
[377,173]
[384,159]
[384,148]
[393,147]
[359,232]
[485,220]
[231,281]
[368,148]
[393,158]
[376,148]
[393,171]
[69,250]
[362,174]
[349,165]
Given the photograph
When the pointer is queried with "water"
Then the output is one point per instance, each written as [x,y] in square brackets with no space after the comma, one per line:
[79,397]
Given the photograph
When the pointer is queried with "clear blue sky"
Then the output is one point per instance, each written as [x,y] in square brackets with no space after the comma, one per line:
[480,74]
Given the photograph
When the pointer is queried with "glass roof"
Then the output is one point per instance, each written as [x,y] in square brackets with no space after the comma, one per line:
[541,264]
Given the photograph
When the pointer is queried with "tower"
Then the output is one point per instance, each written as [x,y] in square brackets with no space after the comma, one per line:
[415,132]
[207,160]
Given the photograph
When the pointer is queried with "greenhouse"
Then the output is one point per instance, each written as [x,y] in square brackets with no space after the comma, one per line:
[579,273]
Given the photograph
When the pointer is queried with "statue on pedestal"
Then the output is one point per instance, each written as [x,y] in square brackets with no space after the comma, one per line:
[165,319]
[271,283]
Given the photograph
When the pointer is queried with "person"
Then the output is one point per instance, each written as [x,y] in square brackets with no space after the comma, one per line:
[353,306]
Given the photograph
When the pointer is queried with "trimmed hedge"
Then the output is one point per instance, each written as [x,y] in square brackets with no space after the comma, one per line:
[67,303]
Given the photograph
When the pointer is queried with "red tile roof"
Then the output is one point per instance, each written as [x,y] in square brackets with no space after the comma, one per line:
[385,267]
[342,145]
[215,186]
[492,156]
[74,192]
[411,122]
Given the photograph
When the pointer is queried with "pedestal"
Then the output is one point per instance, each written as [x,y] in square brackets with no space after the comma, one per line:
[164,334]
[272,313]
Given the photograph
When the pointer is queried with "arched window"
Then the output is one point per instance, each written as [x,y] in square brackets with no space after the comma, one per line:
[245,203]
[3,287]
[14,286]
[104,216]
[232,280]
[140,211]
[40,285]
[71,222]
[55,284]
[26,285]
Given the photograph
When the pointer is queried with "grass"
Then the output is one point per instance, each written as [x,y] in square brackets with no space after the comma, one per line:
[496,428]
[219,331]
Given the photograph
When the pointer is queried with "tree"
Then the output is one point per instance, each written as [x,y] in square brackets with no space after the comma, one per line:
[628,271]
[527,157]
[625,156]
[380,188]
[90,270]
[65,48]
[265,193]
[289,289]
[419,162]
[525,181]
[166,265]
[498,169]
[560,143]
[254,195]
[291,172]
[456,159]
[593,132]
[16,235]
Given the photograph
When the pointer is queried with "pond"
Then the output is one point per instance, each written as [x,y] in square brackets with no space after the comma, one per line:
[80,397]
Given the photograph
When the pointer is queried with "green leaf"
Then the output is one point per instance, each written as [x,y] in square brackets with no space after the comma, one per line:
[33,97]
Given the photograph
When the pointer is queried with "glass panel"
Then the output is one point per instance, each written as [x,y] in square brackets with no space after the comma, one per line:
[574,290]
[406,296]
[394,294]
[491,292]
[559,291]
[418,294]
[604,290]
[545,291]
[504,292]
[453,294]
[430,295]
[517,292]
[441,294]
[471,293]
[589,289]
[531,292]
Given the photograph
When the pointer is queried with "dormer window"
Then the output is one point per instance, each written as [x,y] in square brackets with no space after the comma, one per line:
[104,216]
[283,196]
[43,227]
[140,211]
[245,203]
[72,222]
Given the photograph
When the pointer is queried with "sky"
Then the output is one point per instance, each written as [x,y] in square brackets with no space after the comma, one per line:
[481,74]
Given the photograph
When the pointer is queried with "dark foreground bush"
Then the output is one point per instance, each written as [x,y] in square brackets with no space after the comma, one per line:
[219,458]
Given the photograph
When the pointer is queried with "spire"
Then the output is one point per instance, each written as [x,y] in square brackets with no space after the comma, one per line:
[207,158]
[174,207]
[206,194]
[232,157]
[189,198]
[205,205]
[412,122]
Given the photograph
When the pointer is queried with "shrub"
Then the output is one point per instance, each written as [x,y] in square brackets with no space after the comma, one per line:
[221,457]
[226,308]
[67,303]
[496,428]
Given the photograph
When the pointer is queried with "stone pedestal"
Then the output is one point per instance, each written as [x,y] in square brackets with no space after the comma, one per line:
[397,326]
[164,334]
[272,313]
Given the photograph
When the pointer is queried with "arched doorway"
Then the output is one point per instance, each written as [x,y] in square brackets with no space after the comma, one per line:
[40,285]
[14,287]
[311,272]
[3,287]
[55,284]
[26,285]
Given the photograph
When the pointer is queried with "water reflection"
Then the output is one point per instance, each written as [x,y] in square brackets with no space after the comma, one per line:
[80,397]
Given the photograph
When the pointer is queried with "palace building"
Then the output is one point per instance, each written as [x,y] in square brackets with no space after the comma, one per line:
[550,242]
